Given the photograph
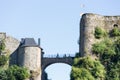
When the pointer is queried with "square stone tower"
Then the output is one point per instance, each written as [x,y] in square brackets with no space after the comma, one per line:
[88,24]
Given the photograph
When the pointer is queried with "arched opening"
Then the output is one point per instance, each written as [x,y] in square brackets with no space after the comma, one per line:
[58,71]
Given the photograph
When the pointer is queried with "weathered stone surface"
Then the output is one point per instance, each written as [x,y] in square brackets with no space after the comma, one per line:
[48,61]
[11,44]
[2,35]
[87,26]
[30,57]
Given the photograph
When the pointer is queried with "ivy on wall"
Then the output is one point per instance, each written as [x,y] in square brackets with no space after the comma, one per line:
[99,33]
[87,68]
[107,64]
[2,46]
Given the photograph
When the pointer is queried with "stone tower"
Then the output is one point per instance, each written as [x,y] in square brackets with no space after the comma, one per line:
[29,56]
[88,24]
[24,53]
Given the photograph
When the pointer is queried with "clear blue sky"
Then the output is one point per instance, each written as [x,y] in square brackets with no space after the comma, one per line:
[56,22]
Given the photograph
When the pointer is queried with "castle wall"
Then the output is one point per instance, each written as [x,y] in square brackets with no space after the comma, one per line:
[12,45]
[87,28]
[26,56]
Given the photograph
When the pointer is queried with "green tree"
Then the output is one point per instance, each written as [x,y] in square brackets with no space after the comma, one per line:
[3,60]
[81,74]
[3,75]
[2,46]
[87,69]
[115,32]
[20,73]
[14,73]
[99,33]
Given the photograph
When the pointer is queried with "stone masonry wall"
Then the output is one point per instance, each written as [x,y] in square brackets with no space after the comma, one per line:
[87,28]
[11,43]
[30,58]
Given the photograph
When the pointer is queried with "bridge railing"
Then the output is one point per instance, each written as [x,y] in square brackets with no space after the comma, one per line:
[59,55]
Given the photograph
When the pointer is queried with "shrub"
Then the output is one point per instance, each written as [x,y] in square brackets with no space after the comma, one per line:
[115,32]
[109,51]
[10,75]
[104,47]
[81,74]
[98,48]
[113,71]
[14,73]
[3,75]
[2,46]
[117,43]
[20,73]
[99,33]
[87,69]
[3,60]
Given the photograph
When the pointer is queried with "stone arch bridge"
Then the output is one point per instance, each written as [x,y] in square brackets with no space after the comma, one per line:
[46,61]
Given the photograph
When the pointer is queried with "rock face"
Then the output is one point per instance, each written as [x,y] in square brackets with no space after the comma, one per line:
[88,24]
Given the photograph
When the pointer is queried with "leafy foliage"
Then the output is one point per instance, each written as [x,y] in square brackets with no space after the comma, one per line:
[99,33]
[108,52]
[98,48]
[14,73]
[109,56]
[20,73]
[87,69]
[3,60]
[105,48]
[3,75]
[113,71]
[115,32]
[2,46]
[81,74]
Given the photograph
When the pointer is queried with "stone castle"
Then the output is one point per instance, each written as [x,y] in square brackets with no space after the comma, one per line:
[24,53]
[29,54]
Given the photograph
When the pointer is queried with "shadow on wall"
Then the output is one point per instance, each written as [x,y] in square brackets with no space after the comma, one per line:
[14,58]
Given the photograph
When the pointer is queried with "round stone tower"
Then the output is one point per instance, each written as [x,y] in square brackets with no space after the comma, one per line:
[29,56]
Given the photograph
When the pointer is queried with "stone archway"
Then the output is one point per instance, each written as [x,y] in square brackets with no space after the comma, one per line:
[58,71]
[48,61]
